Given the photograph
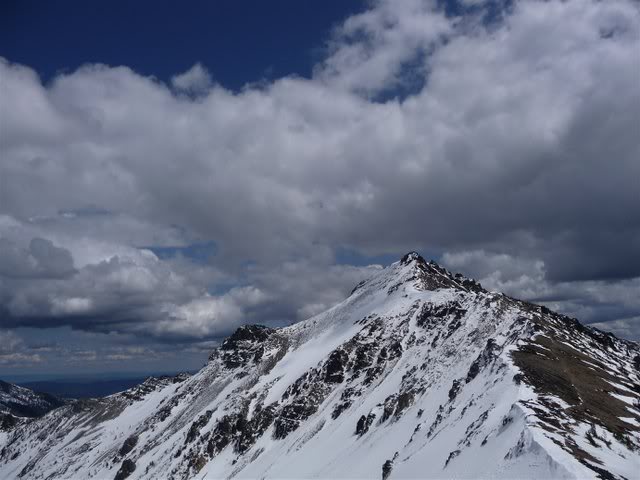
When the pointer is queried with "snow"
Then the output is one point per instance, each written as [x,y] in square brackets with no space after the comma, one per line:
[624,398]
[487,428]
[631,420]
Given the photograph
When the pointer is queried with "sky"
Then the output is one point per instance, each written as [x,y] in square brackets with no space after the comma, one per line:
[169,174]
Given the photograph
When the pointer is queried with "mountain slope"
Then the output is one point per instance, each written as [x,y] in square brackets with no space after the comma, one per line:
[419,373]
[24,402]
[19,403]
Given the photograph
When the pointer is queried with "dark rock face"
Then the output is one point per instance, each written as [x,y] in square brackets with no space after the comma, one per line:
[223,433]
[364,423]
[247,333]
[304,397]
[238,430]
[405,400]
[455,388]
[386,469]
[128,445]
[430,314]
[127,468]
[7,422]
[388,466]
[262,419]
[336,366]
[194,430]
[451,456]
[488,355]
[245,345]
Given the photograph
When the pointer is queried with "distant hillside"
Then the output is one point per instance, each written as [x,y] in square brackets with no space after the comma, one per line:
[25,402]
[84,388]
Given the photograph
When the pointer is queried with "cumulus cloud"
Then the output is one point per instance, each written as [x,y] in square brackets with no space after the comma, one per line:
[124,289]
[195,80]
[40,259]
[369,50]
[514,132]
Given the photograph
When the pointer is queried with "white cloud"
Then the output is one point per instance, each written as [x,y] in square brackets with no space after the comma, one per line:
[369,50]
[195,80]
[516,137]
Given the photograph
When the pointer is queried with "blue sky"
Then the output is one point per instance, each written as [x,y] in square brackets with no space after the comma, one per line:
[170,172]
[239,41]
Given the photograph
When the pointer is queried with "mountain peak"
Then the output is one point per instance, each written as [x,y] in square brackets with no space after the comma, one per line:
[412,257]
[431,276]
[413,269]
[420,370]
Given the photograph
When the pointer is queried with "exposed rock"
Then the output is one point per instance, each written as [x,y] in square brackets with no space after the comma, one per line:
[364,423]
[127,468]
[194,430]
[336,366]
[386,469]
[451,456]
[455,388]
[128,445]
[244,346]
[488,355]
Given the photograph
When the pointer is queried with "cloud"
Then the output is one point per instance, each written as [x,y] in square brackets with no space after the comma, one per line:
[42,259]
[13,352]
[512,133]
[623,328]
[129,290]
[368,51]
[196,80]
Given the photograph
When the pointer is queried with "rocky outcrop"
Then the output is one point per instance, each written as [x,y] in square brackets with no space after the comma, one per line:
[126,469]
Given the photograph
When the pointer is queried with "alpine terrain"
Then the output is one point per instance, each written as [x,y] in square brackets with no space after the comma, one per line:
[17,404]
[419,373]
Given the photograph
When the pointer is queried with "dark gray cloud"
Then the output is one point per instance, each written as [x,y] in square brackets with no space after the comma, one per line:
[41,259]
[14,352]
[516,160]
[124,289]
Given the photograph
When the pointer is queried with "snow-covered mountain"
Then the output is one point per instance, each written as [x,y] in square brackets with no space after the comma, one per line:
[19,403]
[24,402]
[417,374]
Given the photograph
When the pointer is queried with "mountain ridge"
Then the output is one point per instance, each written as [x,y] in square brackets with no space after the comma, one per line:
[25,402]
[423,370]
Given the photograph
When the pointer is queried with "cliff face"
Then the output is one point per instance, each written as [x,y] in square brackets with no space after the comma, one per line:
[419,373]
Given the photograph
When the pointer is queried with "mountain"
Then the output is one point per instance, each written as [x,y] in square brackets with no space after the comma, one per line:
[16,403]
[85,387]
[418,373]
[24,402]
